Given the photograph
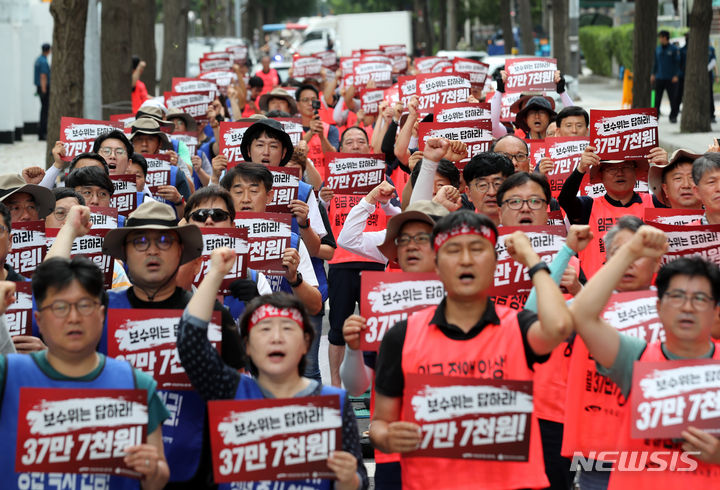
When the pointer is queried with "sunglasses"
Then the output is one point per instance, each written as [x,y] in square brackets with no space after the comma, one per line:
[215,214]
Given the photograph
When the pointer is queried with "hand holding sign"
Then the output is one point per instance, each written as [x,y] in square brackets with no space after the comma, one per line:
[300,210]
[7,295]
[58,153]
[707,444]
[579,236]
[145,459]
[219,164]
[519,247]
[222,261]
[402,437]
[290,261]
[649,242]
[344,465]
[546,165]
[588,159]
[435,149]
[352,329]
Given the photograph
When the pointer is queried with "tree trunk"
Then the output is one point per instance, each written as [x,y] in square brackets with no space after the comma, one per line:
[68,76]
[696,101]
[443,22]
[526,27]
[116,62]
[644,42]
[174,41]
[142,40]
[561,32]
[452,28]
[506,24]
[429,47]
[418,29]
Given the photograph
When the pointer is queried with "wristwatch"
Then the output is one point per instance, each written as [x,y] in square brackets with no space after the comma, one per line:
[307,224]
[299,280]
[538,267]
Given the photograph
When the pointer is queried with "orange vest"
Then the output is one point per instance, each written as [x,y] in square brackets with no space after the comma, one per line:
[270,80]
[315,151]
[426,347]
[602,217]
[705,476]
[337,212]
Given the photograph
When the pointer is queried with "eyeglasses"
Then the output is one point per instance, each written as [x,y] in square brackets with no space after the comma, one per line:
[624,168]
[420,239]
[61,213]
[162,242]
[533,203]
[215,214]
[699,301]
[308,100]
[107,151]
[61,308]
[100,194]
[483,185]
[518,157]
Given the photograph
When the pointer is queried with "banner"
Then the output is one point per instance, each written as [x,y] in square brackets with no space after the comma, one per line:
[274,439]
[389,297]
[124,199]
[370,101]
[286,181]
[691,241]
[181,85]
[668,396]
[469,418]
[78,135]
[72,430]
[670,216]
[233,238]
[530,74]
[194,103]
[477,140]
[231,135]
[463,112]
[147,340]
[441,88]
[103,218]
[269,236]
[477,70]
[18,316]
[306,67]
[351,173]
[565,153]
[623,134]
[29,247]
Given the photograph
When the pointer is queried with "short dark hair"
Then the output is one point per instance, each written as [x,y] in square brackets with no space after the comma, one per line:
[45,47]
[669,168]
[279,300]
[446,168]
[59,272]
[63,192]
[91,156]
[342,136]
[460,218]
[691,267]
[138,159]
[521,178]
[7,217]
[570,111]
[664,33]
[252,172]
[256,82]
[117,135]
[205,194]
[709,161]
[509,135]
[135,61]
[487,163]
[628,222]
[90,176]
[302,88]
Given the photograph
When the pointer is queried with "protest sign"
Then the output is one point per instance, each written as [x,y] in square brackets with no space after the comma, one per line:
[18,316]
[233,238]
[441,88]
[194,103]
[78,135]
[672,216]
[231,135]
[477,70]
[269,236]
[182,85]
[306,67]
[565,152]
[286,181]
[530,74]
[351,173]
[477,140]
[29,247]
[124,199]
[623,134]
[463,112]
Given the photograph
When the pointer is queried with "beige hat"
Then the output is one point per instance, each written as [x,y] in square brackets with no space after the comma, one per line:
[153,215]
[277,93]
[154,112]
[425,211]
[13,183]
[175,113]
[656,171]
[147,125]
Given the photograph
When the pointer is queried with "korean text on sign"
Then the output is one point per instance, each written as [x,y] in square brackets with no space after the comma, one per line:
[78,135]
[269,236]
[623,134]
[233,238]
[350,173]
[525,74]
[692,240]
[231,135]
[441,88]
[286,181]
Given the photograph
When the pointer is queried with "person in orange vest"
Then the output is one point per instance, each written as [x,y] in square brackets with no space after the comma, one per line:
[320,136]
[270,76]
[467,327]
[619,179]
[688,294]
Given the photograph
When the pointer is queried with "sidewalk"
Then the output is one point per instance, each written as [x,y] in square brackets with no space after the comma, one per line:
[26,153]
[606,93]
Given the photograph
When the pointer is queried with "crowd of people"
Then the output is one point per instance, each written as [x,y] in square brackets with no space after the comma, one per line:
[428,215]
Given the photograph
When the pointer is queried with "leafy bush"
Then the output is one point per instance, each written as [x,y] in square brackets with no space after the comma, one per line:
[622,45]
[595,43]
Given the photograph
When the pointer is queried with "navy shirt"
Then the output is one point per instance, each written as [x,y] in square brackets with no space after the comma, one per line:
[667,62]
[42,66]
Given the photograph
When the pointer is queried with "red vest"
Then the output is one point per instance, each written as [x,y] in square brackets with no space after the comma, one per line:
[603,217]
[425,345]
[270,80]
[705,476]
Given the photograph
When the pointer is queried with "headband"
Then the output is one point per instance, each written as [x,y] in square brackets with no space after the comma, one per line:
[270,311]
[464,229]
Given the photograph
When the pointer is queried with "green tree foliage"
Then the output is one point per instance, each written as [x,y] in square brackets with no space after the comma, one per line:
[595,42]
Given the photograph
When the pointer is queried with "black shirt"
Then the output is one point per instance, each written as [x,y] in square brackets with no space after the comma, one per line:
[389,378]
[12,275]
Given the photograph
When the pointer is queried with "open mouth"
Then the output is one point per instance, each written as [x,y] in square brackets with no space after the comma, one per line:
[412,259]
[466,277]
[525,221]
[265,161]
[246,208]
[74,333]
[276,355]
[153,264]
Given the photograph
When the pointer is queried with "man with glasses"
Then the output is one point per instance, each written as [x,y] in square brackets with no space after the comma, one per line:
[26,202]
[516,149]
[116,149]
[688,292]
[320,136]
[484,175]
[93,184]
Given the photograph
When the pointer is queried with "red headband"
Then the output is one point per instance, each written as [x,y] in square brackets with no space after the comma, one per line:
[464,229]
[270,311]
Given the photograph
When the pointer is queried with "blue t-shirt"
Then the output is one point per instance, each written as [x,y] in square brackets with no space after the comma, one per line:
[41,66]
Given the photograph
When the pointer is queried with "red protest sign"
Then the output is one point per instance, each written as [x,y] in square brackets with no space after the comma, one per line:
[208,64]
[231,135]
[346,65]
[327,58]
[182,85]
[476,139]
[389,297]
[18,316]
[506,102]
[73,430]
[124,120]
[623,134]
[370,101]
[407,87]
[89,246]
[217,55]
[124,199]
[159,168]
[391,95]
[510,276]
[293,127]
[352,173]
[146,338]
[307,66]
[595,188]
[565,153]
[538,151]
[269,236]
[221,77]
[274,439]
[233,238]
[103,217]
[398,56]
[29,247]
[671,216]
[668,396]
[441,66]
[425,64]
[194,103]
[530,74]
[237,53]
[78,135]
[441,88]
[364,71]
[476,69]
[634,313]
[469,418]
[464,112]
[286,181]
[691,240]
[187,137]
